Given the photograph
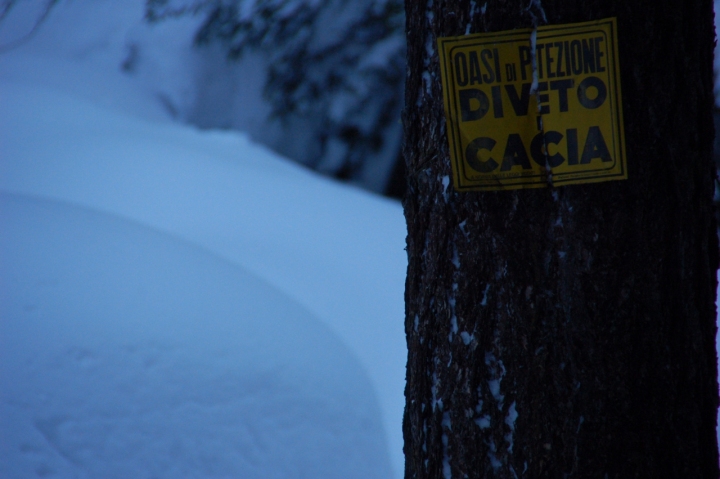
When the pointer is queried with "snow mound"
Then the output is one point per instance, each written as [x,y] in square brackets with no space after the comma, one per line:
[336,250]
[128,353]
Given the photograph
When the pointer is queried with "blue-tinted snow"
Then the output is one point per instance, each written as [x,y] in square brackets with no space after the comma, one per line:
[127,353]
[78,131]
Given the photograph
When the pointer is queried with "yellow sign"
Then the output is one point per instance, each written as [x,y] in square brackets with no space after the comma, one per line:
[530,109]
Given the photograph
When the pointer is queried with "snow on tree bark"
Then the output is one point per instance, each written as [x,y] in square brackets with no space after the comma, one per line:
[566,332]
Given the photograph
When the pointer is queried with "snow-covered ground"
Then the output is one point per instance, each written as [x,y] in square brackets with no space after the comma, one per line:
[126,352]
[176,302]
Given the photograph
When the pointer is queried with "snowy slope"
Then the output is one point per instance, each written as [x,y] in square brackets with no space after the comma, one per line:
[127,353]
[337,251]
[82,46]
[79,130]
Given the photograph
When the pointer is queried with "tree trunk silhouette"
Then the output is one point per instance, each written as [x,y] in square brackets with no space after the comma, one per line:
[567,332]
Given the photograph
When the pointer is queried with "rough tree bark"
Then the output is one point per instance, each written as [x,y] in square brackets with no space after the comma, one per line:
[585,314]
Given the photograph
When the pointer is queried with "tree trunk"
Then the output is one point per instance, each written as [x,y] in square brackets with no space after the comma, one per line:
[567,332]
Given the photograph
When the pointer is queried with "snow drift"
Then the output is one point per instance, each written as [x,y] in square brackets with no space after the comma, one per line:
[128,353]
